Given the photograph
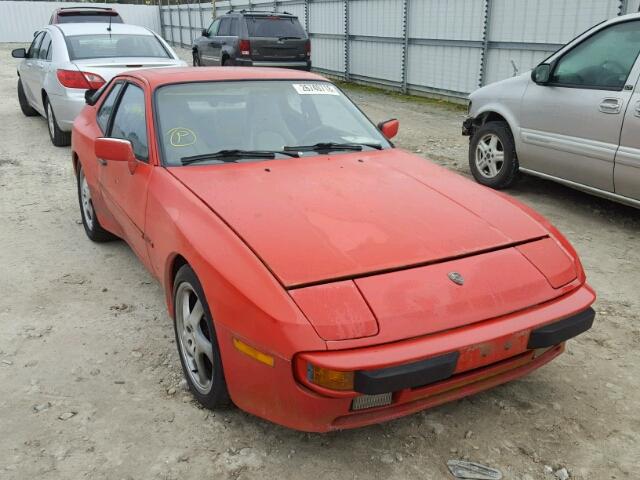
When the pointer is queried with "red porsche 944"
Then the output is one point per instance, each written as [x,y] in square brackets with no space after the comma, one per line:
[317,276]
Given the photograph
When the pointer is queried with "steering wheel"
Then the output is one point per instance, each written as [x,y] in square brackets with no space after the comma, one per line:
[618,67]
[321,133]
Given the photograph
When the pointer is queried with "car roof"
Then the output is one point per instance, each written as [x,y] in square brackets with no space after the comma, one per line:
[70,29]
[156,77]
[86,9]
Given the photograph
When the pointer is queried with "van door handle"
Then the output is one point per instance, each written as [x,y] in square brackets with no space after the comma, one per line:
[611,105]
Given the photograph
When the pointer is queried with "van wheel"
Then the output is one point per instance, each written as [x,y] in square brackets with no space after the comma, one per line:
[58,137]
[27,109]
[492,155]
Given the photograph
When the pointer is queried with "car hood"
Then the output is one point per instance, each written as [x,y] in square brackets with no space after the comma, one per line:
[325,218]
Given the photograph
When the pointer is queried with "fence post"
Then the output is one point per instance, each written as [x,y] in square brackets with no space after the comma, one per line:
[200,16]
[405,44]
[180,23]
[162,32]
[622,7]
[190,29]
[173,42]
[485,43]
[347,70]
[306,16]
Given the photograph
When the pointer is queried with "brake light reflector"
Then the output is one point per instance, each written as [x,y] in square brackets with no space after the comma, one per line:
[307,48]
[245,47]
[77,79]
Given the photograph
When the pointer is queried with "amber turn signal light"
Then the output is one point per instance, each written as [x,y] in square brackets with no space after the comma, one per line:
[331,379]
[252,352]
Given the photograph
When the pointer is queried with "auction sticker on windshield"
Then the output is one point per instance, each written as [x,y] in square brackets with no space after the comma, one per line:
[315,89]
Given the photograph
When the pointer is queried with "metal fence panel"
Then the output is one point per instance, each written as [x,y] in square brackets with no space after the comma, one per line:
[444,19]
[19,19]
[445,68]
[328,54]
[376,60]
[546,21]
[381,18]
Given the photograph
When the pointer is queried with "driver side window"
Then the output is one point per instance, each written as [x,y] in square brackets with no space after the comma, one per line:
[130,121]
[602,61]
[213,29]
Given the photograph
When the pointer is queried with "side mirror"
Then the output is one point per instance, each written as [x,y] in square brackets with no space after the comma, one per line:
[205,32]
[389,128]
[115,150]
[19,53]
[89,98]
[541,74]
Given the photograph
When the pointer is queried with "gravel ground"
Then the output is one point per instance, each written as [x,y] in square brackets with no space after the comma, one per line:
[90,379]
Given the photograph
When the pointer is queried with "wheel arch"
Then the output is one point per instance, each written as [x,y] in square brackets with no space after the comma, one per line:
[174,263]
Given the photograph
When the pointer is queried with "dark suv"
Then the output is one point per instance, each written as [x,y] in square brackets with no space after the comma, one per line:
[258,39]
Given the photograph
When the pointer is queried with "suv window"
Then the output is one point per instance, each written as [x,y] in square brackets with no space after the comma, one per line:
[44,47]
[225,27]
[603,60]
[235,30]
[274,27]
[34,49]
[213,29]
[107,107]
[130,121]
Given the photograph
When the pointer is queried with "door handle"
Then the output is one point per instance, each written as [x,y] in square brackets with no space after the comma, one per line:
[611,105]
[637,112]
[102,162]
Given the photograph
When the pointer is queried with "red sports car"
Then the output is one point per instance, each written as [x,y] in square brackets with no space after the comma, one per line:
[318,277]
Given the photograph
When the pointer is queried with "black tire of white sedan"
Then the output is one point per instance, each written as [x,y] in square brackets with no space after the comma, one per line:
[58,137]
[92,226]
[197,341]
[492,156]
[27,109]
[196,59]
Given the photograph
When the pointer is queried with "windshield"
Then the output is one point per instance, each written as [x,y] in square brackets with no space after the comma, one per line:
[114,46]
[268,115]
[84,17]
[274,27]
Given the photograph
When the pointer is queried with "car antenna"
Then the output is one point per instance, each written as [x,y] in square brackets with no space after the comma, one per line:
[109,27]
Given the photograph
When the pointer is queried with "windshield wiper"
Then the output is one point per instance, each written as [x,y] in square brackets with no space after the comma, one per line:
[235,154]
[331,146]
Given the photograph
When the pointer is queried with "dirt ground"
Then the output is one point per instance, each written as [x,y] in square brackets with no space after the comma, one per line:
[90,378]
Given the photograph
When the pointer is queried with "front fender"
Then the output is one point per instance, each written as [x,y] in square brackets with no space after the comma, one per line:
[243,295]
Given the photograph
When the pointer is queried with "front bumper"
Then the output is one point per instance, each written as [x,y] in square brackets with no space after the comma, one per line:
[487,354]
[467,127]
[297,65]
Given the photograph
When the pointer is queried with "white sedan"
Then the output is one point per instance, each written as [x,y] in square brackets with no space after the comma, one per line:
[64,61]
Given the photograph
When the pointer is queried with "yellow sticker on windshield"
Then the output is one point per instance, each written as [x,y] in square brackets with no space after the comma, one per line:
[181,137]
[315,89]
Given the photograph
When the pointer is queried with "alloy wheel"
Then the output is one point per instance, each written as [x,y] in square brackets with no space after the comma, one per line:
[194,338]
[489,155]
[85,198]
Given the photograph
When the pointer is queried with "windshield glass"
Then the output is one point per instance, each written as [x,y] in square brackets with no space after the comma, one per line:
[113,46]
[274,27]
[269,115]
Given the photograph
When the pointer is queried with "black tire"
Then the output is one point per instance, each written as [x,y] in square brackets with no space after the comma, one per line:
[217,396]
[58,137]
[490,171]
[196,59]
[92,226]
[27,109]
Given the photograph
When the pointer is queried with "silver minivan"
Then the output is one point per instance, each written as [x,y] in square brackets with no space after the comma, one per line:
[574,119]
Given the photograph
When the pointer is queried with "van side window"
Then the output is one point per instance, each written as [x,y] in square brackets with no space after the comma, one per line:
[602,61]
